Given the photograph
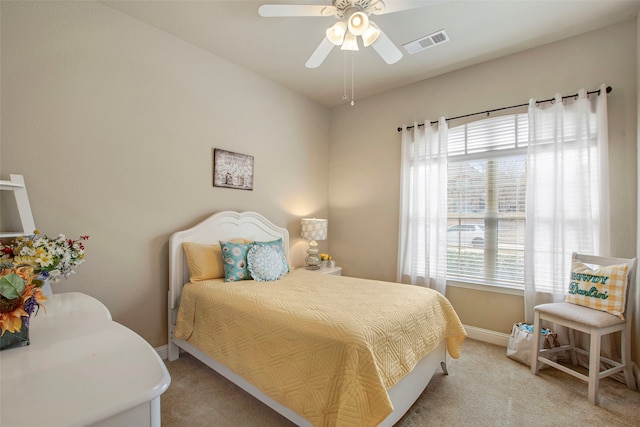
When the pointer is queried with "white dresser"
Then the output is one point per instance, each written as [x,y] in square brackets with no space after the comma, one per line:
[81,369]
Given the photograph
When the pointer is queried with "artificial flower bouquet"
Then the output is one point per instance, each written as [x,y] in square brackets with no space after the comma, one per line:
[325,257]
[20,297]
[25,264]
[326,260]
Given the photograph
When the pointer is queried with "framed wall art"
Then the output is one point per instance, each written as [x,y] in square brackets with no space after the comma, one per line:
[232,170]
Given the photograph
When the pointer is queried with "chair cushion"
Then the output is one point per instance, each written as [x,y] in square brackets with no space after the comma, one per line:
[580,314]
[602,289]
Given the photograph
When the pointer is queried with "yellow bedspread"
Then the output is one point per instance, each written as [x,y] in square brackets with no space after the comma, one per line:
[327,347]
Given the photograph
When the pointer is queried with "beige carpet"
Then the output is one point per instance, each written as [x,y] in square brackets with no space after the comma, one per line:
[483,388]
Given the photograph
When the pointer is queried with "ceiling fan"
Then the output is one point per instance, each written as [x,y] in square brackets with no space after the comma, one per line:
[353,21]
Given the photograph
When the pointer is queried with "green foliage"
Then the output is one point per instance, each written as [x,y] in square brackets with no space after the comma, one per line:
[11,286]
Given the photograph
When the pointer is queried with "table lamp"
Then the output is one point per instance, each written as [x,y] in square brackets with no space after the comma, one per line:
[313,229]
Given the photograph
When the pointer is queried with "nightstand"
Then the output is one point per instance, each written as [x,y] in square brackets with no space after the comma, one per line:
[336,271]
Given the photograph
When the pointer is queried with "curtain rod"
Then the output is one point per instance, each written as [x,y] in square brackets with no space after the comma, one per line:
[609,89]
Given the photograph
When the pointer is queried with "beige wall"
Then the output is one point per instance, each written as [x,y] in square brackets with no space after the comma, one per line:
[364,162]
[113,122]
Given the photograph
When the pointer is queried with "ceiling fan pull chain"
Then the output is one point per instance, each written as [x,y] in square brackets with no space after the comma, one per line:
[352,68]
[344,79]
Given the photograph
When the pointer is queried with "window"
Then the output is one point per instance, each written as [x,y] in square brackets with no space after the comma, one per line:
[466,191]
[486,193]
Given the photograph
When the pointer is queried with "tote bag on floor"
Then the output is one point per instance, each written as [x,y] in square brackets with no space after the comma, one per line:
[521,342]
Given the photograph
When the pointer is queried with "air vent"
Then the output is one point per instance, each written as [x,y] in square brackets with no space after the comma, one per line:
[431,40]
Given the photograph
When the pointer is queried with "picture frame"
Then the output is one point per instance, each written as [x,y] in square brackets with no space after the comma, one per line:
[232,170]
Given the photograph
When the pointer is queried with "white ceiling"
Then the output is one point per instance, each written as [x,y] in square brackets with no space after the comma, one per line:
[277,48]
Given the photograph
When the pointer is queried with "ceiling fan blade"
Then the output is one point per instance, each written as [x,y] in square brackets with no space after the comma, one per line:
[382,7]
[318,56]
[386,49]
[276,10]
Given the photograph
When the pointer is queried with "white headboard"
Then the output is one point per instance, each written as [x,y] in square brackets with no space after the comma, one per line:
[223,226]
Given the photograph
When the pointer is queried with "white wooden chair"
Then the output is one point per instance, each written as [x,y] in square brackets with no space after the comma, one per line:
[596,323]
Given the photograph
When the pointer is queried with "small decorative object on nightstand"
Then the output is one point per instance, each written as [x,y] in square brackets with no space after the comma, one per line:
[327,261]
[313,229]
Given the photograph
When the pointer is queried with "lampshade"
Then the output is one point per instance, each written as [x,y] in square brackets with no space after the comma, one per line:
[358,23]
[371,35]
[314,229]
[336,33]
[350,42]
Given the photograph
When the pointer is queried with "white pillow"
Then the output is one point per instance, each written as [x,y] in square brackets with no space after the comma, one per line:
[266,264]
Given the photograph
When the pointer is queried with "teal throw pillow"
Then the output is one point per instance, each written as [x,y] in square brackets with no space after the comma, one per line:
[235,261]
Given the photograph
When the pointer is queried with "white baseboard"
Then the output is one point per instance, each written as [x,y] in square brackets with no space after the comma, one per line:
[486,335]
[162,351]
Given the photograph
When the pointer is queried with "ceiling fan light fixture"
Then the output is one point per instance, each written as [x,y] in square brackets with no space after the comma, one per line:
[350,42]
[358,23]
[337,32]
[371,35]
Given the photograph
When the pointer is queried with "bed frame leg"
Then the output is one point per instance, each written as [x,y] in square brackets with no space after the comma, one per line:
[173,352]
[443,365]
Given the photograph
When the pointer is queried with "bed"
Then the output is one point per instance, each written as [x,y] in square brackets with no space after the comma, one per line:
[319,349]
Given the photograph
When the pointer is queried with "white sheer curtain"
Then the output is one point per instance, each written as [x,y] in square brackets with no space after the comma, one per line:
[567,206]
[422,252]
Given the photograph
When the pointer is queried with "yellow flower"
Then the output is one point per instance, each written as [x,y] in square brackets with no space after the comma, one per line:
[43,257]
[40,298]
[25,272]
[23,260]
[12,321]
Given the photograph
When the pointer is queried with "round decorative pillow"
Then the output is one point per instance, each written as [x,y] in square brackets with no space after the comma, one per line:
[266,264]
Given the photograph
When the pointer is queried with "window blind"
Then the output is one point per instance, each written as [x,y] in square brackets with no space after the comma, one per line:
[486,194]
